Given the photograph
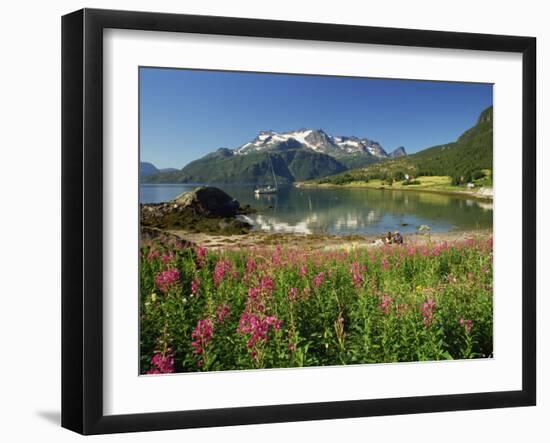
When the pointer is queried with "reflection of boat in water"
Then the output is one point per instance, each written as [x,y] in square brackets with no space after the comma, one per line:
[268,189]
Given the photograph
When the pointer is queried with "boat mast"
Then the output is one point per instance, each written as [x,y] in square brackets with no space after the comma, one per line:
[272,170]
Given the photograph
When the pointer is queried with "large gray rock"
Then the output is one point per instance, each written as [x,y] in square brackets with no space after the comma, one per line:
[208,201]
[205,209]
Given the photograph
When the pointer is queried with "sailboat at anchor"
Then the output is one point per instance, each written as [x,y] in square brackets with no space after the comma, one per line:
[268,189]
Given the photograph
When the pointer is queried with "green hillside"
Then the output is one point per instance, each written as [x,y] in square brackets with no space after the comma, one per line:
[224,167]
[463,159]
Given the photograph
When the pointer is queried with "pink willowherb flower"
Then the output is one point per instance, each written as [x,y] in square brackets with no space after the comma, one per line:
[274,321]
[357,271]
[195,285]
[250,265]
[254,293]
[222,312]
[222,268]
[267,284]
[165,280]
[467,324]
[428,311]
[303,270]
[276,256]
[201,252]
[319,279]
[385,264]
[292,294]
[257,327]
[202,335]
[386,304]
[153,253]
[168,258]
[162,364]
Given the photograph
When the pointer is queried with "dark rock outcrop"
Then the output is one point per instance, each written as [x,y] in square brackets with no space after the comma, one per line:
[207,201]
[205,209]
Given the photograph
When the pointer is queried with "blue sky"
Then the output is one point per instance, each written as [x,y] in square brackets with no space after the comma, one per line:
[184,114]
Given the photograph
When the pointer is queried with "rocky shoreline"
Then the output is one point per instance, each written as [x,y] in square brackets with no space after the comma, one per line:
[205,209]
[207,216]
[325,242]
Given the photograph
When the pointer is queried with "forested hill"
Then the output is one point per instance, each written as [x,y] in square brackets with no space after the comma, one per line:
[461,159]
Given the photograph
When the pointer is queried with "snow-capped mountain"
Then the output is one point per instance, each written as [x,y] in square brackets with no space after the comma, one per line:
[293,156]
[314,139]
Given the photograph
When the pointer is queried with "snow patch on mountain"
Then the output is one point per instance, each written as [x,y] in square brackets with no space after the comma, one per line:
[316,140]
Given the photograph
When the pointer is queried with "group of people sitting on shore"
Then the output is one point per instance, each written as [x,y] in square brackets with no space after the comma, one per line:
[395,238]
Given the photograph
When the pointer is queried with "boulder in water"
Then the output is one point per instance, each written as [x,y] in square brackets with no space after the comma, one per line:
[208,201]
[205,209]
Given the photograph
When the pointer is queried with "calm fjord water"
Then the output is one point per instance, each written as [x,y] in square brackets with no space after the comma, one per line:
[346,211]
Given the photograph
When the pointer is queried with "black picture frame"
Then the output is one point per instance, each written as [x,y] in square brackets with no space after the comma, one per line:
[82,231]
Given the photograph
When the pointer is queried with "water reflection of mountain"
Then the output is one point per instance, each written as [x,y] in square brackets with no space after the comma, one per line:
[369,211]
[348,211]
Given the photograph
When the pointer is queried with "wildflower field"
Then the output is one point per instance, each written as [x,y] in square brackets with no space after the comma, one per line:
[203,310]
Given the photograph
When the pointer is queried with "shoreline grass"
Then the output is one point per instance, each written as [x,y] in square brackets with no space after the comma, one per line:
[433,184]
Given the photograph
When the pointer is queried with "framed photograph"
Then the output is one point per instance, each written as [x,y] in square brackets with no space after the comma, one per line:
[268,221]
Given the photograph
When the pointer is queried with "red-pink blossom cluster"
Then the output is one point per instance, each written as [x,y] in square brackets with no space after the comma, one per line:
[195,285]
[222,312]
[267,284]
[223,267]
[467,324]
[428,311]
[162,364]
[257,327]
[153,253]
[319,279]
[250,265]
[292,294]
[165,280]
[168,258]
[276,256]
[254,292]
[385,305]
[201,252]
[202,335]
[357,271]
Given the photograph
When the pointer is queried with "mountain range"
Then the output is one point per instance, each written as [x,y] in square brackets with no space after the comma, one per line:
[296,155]
[146,169]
